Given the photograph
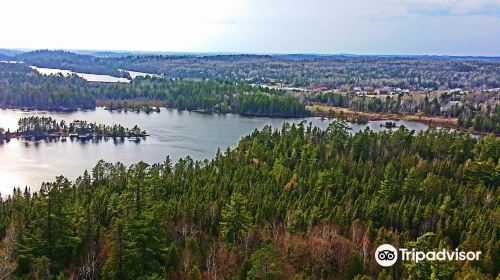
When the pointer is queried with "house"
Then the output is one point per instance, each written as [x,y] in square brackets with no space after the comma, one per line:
[384,91]
[456,91]
[450,104]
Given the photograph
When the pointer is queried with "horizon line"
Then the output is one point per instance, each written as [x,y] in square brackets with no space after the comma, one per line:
[285,53]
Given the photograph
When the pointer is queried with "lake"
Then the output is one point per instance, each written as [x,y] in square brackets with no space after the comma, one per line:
[85,76]
[173,132]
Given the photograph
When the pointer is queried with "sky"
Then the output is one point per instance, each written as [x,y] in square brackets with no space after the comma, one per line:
[432,27]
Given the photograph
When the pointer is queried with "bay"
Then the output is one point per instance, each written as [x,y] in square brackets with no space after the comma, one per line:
[173,132]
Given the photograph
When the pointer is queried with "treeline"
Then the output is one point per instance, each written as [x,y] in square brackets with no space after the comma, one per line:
[5,134]
[147,106]
[474,111]
[360,103]
[486,121]
[269,105]
[60,59]
[335,71]
[294,203]
[43,126]
[206,96]
[21,87]
[182,94]
[395,104]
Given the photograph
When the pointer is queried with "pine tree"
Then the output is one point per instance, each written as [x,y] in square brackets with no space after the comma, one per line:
[236,219]
[265,264]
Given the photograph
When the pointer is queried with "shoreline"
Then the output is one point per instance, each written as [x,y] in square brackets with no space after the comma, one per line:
[57,135]
[317,110]
[325,111]
[158,104]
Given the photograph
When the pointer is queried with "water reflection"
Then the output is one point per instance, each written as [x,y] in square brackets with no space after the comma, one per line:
[85,76]
[173,132]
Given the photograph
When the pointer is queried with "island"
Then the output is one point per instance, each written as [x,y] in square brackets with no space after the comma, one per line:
[301,199]
[132,106]
[389,125]
[5,135]
[37,128]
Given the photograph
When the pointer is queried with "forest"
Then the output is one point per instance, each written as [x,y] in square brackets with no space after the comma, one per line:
[479,112]
[295,202]
[41,127]
[361,103]
[206,96]
[22,87]
[313,71]
[488,122]
[71,61]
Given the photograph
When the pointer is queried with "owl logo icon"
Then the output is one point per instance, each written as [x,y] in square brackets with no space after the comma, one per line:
[386,255]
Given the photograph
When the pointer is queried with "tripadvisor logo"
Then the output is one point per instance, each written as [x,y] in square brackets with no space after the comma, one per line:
[387,255]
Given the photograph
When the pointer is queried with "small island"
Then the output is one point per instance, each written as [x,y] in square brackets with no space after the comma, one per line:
[146,106]
[358,119]
[389,125]
[352,118]
[37,128]
[5,135]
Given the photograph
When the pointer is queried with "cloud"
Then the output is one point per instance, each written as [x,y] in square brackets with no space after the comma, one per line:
[454,7]
[433,8]
[392,12]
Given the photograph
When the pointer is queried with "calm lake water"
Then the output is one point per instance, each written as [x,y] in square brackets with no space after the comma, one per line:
[173,132]
[86,76]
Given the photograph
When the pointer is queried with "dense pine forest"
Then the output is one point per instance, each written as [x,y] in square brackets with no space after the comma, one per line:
[22,87]
[330,71]
[293,203]
[207,96]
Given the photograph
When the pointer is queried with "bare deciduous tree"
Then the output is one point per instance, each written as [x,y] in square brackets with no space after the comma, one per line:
[7,257]
[89,270]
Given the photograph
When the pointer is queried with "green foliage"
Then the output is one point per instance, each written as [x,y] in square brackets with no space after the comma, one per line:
[24,88]
[298,70]
[428,269]
[488,122]
[299,201]
[269,105]
[43,126]
[194,274]
[236,219]
[354,266]
[265,264]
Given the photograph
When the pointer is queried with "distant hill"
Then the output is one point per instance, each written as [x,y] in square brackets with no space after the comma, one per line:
[4,57]
[52,55]
[296,70]
[10,53]
[61,59]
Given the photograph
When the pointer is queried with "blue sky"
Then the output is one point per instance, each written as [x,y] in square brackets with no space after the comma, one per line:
[453,27]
